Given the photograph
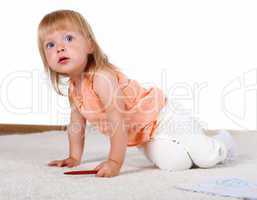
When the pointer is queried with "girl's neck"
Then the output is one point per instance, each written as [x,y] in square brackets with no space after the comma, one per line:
[77,82]
[77,77]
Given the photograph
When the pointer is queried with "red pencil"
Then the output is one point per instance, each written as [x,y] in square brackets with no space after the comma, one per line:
[81,172]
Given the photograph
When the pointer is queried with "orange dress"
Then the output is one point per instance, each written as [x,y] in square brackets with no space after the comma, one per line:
[142,106]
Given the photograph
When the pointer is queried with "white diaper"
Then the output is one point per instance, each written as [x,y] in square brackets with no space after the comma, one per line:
[173,119]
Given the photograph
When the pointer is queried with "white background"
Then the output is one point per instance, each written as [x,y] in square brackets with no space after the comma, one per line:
[207,50]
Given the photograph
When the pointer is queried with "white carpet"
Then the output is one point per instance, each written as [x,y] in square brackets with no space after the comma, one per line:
[24,174]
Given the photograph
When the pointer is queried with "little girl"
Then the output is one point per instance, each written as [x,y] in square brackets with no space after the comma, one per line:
[119,107]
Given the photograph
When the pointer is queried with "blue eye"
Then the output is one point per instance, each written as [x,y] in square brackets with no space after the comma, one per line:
[68,38]
[50,45]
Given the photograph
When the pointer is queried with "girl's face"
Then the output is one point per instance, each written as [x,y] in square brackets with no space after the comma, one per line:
[67,52]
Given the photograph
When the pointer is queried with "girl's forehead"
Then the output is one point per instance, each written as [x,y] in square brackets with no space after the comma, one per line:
[58,28]
[55,32]
[58,32]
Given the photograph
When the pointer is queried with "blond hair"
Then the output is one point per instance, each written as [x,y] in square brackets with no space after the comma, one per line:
[70,20]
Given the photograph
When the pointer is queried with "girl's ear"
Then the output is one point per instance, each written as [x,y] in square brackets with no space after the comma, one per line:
[91,46]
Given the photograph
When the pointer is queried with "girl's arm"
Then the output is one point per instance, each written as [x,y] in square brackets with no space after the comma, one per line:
[107,88]
[76,135]
[118,138]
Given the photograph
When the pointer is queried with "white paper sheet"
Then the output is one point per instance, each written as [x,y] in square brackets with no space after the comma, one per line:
[233,187]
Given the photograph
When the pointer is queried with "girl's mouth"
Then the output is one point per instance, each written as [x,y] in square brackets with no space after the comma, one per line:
[63,60]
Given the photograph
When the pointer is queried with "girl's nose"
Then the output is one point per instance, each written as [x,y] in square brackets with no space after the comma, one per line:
[60,49]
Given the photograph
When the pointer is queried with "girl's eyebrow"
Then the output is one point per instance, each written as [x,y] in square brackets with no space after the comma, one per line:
[51,38]
[47,41]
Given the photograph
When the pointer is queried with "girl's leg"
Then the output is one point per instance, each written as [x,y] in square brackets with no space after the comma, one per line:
[180,152]
[204,151]
[163,149]
[180,142]
[167,154]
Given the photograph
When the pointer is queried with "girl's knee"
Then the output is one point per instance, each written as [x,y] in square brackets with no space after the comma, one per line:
[216,156]
[167,154]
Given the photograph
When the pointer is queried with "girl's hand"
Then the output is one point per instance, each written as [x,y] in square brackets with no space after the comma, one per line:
[108,168]
[68,162]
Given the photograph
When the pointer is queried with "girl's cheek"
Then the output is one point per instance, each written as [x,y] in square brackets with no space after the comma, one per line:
[49,56]
[49,61]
